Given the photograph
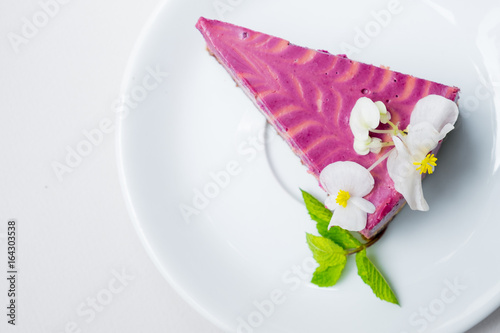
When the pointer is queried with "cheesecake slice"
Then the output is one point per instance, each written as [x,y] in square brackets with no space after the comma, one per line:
[308,95]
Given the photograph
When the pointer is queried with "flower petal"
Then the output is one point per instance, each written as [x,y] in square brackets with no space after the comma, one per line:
[365,116]
[436,110]
[446,129]
[348,176]
[363,204]
[384,115]
[407,180]
[361,146]
[375,146]
[331,202]
[421,139]
[411,189]
[350,218]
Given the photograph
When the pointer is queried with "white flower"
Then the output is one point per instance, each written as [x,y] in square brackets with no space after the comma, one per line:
[384,115]
[436,110]
[347,183]
[365,117]
[363,147]
[402,163]
[432,118]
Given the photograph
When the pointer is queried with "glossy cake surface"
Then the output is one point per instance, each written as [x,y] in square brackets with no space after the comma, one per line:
[308,95]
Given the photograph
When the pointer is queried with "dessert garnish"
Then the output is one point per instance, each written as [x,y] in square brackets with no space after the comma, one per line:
[366,133]
[347,183]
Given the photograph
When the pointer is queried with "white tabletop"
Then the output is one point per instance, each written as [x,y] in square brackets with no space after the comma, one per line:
[80,265]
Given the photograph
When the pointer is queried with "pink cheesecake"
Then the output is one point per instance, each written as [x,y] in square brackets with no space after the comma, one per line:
[308,95]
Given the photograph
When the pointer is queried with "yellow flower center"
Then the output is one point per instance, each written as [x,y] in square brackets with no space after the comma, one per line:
[342,198]
[427,164]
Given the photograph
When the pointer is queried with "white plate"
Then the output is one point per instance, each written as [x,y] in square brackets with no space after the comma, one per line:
[241,258]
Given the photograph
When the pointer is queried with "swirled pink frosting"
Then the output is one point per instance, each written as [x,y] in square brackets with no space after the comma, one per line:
[308,95]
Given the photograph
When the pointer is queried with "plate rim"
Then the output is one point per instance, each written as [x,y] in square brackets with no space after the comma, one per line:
[125,83]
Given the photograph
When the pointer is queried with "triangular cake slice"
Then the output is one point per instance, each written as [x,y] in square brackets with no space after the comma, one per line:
[308,95]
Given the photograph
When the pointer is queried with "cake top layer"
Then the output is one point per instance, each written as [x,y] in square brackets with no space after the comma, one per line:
[308,95]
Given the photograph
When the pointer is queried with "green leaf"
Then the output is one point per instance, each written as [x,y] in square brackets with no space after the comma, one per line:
[325,251]
[322,216]
[330,257]
[328,276]
[372,277]
[317,211]
[342,237]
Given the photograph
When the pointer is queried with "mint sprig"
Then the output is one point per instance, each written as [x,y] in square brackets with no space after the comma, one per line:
[322,216]
[330,250]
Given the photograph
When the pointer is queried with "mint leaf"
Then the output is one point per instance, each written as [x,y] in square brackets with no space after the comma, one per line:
[322,216]
[317,211]
[330,257]
[342,237]
[372,277]
[325,251]
[328,276]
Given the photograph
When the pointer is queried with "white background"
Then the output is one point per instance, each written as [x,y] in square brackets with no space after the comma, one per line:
[81,265]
